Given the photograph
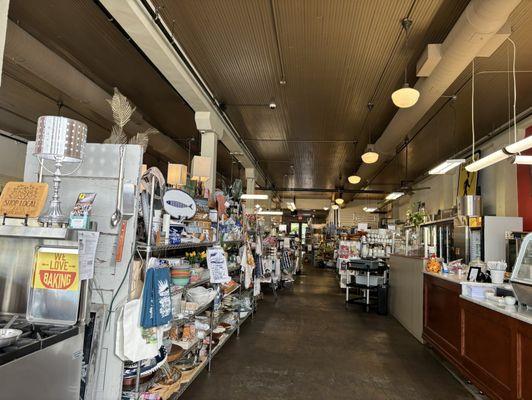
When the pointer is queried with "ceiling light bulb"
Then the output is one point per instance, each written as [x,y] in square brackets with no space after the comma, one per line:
[354,179]
[335,206]
[339,201]
[326,208]
[405,97]
[370,156]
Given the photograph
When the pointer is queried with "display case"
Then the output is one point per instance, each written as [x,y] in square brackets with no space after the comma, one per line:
[522,274]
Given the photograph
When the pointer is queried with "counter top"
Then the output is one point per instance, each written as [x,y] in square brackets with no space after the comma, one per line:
[405,256]
[448,277]
[516,312]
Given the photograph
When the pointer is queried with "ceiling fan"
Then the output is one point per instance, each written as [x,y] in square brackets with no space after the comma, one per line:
[407,185]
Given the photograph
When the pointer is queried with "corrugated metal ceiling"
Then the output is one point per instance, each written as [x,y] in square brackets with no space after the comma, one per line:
[336,55]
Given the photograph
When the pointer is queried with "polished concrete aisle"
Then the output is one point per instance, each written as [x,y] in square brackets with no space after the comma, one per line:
[306,345]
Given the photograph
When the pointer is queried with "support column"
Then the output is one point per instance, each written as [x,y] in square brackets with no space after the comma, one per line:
[209,147]
[211,132]
[250,188]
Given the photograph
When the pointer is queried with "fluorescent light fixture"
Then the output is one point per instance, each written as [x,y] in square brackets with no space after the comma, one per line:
[405,97]
[520,145]
[354,179]
[270,212]
[499,155]
[484,162]
[394,195]
[339,201]
[370,209]
[335,206]
[524,160]
[370,156]
[247,196]
[446,166]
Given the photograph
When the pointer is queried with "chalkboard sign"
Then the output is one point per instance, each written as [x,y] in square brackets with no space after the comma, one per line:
[19,199]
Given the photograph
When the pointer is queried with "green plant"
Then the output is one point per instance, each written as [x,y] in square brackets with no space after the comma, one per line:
[415,218]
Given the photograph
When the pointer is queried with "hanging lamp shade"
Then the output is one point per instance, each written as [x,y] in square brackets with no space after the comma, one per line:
[335,206]
[354,179]
[370,156]
[339,201]
[201,169]
[177,174]
[405,97]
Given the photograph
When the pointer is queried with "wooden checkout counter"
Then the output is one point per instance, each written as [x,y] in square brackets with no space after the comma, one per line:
[489,345]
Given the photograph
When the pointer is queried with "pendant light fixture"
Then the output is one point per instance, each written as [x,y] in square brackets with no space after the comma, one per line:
[335,206]
[370,155]
[406,96]
[339,201]
[354,179]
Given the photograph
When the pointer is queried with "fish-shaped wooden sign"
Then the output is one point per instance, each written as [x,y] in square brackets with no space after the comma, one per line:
[179,204]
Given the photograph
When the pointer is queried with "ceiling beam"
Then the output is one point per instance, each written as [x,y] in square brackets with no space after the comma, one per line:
[149,32]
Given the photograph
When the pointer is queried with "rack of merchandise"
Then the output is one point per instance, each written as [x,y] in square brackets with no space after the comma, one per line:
[205,313]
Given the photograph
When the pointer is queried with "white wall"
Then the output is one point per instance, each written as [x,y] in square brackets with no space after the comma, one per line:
[353,214]
[12,157]
[498,183]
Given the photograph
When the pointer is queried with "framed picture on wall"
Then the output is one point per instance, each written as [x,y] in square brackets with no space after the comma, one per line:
[467,181]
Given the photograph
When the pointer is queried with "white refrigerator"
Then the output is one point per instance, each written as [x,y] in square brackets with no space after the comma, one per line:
[494,228]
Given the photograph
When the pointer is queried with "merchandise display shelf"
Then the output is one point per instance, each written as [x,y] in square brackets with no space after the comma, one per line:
[232,291]
[190,376]
[199,311]
[169,247]
[204,281]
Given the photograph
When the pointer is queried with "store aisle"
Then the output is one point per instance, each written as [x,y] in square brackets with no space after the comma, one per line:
[307,346]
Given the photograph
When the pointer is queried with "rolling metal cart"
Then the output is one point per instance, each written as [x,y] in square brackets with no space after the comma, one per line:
[370,283]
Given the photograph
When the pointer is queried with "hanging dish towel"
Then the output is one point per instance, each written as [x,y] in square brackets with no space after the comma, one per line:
[156,299]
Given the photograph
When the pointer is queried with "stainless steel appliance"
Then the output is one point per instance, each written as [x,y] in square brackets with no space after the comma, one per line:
[45,362]
[521,279]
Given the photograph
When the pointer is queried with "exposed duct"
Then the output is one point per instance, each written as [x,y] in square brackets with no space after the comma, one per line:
[479,22]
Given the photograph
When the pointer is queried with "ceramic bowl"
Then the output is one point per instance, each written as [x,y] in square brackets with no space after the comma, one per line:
[509,300]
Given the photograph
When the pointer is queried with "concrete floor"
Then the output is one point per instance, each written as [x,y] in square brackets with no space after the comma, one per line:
[306,345]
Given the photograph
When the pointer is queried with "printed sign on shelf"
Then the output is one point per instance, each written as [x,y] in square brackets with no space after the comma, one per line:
[19,199]
[57,269]
[217,264]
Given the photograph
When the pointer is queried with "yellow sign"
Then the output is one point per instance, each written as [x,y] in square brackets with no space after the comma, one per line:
[58,270]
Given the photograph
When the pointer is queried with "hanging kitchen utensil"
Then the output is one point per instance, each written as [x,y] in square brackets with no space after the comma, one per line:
[117,215]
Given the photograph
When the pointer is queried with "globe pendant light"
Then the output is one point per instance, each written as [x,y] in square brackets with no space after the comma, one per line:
[339,201]
[370,155]
[354,179]
[406,96]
